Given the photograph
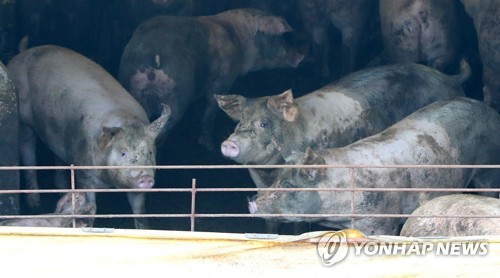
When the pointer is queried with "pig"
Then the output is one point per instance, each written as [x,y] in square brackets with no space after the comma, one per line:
[85,117]
[361,104]
[9,146]
[460,131]
[176,60]
[350,17]
[487,24]
[83,206]
[421,31]
[455,204]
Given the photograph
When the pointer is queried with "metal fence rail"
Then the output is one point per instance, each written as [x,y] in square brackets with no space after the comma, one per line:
[194,190]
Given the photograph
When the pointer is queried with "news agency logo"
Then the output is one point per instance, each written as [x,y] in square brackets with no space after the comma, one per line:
[333,248]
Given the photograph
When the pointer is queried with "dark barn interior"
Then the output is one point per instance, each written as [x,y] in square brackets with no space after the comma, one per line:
[100,29]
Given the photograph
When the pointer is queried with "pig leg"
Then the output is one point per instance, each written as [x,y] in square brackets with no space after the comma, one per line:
[208,124]
[491,89]
[60,177]
[350,43]
[349,46]
[321,52]
[28,158]
[208,119]
[315,26]
[137,202]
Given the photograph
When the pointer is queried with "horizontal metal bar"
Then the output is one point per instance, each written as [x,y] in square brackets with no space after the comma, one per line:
[251,189]
[47,216]
[240,215]
[200,167]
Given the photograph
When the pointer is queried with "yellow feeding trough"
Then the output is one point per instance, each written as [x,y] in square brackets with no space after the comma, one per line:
[66,252]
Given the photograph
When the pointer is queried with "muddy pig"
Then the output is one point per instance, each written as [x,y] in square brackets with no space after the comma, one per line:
[455,204]
[83,206]
[85,117]
[176,60]
[360,104]
[9,143]
[461,131]
[487,24]
[419,31]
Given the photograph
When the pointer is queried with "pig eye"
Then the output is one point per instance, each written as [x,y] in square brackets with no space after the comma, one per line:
[264,124]
[123,153]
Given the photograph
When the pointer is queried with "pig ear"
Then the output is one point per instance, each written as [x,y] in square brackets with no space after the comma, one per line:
[312,174]
[273,25]
[284,106]
[107,135]
[232,105]
[156,127]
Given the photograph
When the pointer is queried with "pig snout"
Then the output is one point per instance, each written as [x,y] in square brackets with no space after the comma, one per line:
[145,182]
[252,207]
[230,149]
[144,179]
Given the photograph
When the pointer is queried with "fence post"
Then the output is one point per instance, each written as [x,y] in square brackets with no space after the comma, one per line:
[73,197]
[353,185]
[193,200]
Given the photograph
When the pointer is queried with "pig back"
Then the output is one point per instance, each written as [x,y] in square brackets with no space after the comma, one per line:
[357,104]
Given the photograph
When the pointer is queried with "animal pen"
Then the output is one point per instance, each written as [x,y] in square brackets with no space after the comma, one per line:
[106,250]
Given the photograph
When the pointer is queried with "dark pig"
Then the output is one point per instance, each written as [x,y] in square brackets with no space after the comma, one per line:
[421,31]
[85,117]
[358,105]
[350,17]
[83,205]
[455,204]
[176,60]
[9,143]
[461,131]
[485,14]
